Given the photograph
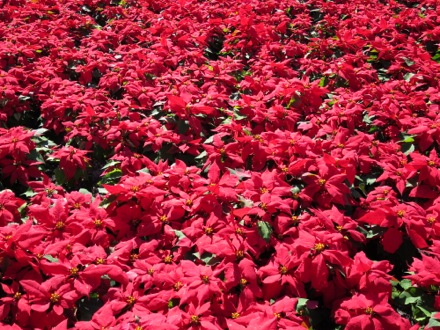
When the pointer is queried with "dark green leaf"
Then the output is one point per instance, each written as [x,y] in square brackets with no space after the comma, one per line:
[111,177]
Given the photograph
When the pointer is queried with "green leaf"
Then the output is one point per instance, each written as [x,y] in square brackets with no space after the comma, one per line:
[408,148]
[433,323]
[173,302]
[246,131]
[375,231]
[238,116]
[408,298]
[291,102]
[405,284]
[425,311]
[22,208]
[59,176]
[111,177]
[48,257]
[111,164]
[179,234]
[102,191]
[323,81]
[29,193]
[206,257]
[107,201]
[408,139]
[84,191]
[370,180]
[301,304]
[40,131]
[94,295]
[35,155]
[265,230]
[408,61]
[373,129]
[407,77]
[367,119]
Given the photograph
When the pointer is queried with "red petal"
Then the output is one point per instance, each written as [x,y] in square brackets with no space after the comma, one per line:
[392,240]
[176,103]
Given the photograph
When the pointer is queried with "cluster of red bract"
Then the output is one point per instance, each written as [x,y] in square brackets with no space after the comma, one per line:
[219,164]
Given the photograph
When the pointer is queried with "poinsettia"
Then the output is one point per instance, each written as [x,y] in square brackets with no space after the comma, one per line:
[54,294]
[9,205]
[280,275]
[71,159]
[197,165]
[369,312]
[329,180]
[423,271]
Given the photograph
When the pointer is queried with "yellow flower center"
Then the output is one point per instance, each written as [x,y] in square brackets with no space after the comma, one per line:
[98,223]
[168,259]
[178,285]
[283,270]
[195,319]
[130,300]
[208,230]
[235,315]
[55,297]
[204,278]
[431,220]
[322,182]
[17,296]
[319,247]
[74,271]
[369,310]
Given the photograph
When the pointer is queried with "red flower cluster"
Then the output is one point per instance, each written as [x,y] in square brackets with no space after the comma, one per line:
[219,165]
